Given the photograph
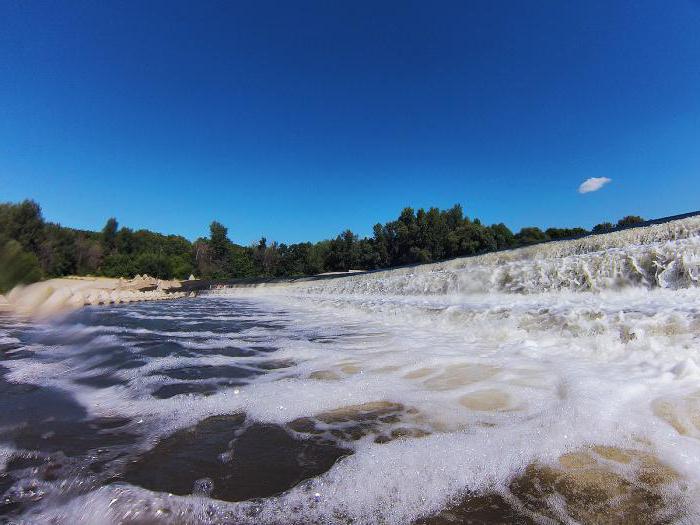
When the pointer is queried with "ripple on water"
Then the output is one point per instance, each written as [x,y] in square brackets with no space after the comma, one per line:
[457,415]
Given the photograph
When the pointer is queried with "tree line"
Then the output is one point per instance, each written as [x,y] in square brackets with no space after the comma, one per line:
[32,248]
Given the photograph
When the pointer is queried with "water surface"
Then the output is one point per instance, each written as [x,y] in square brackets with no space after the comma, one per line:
[558,384]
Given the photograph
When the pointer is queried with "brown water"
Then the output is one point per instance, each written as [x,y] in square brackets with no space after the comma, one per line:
[282,406]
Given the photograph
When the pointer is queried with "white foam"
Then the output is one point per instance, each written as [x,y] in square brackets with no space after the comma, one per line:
[507,359]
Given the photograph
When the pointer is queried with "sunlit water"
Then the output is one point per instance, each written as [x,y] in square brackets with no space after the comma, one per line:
[555,384]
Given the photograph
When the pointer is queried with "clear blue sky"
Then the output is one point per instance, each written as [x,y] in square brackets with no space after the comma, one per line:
[298,119]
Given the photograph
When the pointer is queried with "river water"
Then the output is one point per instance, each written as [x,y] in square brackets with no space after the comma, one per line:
[552,384]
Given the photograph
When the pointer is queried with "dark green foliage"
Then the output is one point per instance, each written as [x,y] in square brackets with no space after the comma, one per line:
[124,241]
[603,227]
[381,246]
[88,253]
[347,249]
[433,235]
[294,259]
[39,248]
[318,253]
[109,235]
[242,264]
[119,265]
[23,222]
[53,250]
[213,256]
[367,257]
[57,251]
[564,233]
[528,236]
[470,238]
[219,245]
[181,266]
[154,264]
[503,236]
[629,221]
[17,266]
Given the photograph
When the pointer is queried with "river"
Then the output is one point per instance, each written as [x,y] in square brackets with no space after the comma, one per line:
[553,384]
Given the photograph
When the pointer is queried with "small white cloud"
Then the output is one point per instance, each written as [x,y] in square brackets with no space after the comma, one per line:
[593,184]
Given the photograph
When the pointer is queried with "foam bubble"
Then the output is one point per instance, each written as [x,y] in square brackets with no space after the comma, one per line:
[573,361]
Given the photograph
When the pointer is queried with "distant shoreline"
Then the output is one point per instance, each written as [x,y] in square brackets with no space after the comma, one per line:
[201,285]
[57,295]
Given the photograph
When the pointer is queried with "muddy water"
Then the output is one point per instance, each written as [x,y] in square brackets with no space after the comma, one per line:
[99,399]
[566,392]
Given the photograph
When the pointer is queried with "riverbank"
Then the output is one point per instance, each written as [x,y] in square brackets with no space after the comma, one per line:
[68,293]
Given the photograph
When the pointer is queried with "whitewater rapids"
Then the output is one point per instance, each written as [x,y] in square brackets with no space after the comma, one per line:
[561,381]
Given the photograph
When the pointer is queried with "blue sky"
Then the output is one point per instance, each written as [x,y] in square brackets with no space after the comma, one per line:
[296,120]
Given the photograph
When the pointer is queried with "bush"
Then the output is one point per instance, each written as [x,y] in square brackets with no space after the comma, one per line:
[155,265]
[531,235]
[603,227]
[629,221]
[118,265]
[17,266]
[181,267]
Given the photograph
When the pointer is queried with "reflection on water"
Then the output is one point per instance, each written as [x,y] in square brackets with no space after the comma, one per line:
[365,401]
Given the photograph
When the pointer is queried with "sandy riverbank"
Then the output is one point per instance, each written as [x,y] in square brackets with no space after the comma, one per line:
[56,295]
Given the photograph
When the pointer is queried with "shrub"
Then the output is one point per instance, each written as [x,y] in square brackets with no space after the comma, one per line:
[17,266]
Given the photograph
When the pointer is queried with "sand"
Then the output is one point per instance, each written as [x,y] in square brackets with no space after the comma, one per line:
[66,293]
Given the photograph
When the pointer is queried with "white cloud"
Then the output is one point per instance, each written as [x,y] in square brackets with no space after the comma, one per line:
[593,184]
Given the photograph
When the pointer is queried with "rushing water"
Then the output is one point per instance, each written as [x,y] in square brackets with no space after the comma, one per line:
[553,384]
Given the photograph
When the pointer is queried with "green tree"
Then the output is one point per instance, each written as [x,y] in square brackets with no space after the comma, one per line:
[381,246]
[348,240]
[119,265]
[503,236]
[259,251]
[530,235]
[27,225]
[17,266]
[406,232]
[181,266]
[629,220]
[334,256]
[109,235]
[471,239]
[317,257]
[415,236]
[219,250]
[202,258]
[454,217]
[124,241]
[88,254]
[271,260]
[435,234]
[603,227]
[242,261]
[153,264]
[564,233]
[57,253]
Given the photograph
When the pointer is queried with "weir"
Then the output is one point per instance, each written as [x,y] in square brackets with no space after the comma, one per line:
[665,254]
[556,383]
